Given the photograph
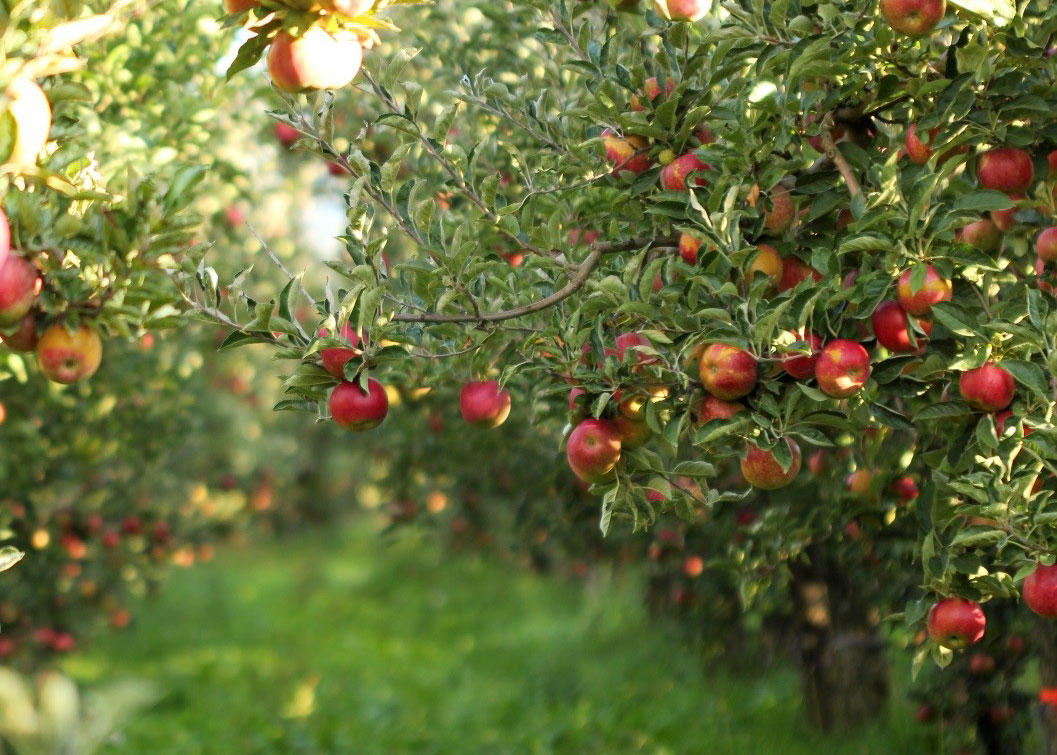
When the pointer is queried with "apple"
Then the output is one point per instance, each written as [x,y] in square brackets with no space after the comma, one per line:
[711,408]
[914,18]
[983,234]
[988,388]
[238,6]
[286,134]
[593,449]
[1046,244]
[335,358]
[768,262]
[5,238]
[956,623]
[917,150]
[682,10]
[628,345]
[575,394]
[934,290]
[816,141]
[633,433]
[355,409]
[981,664]
[1006,169]
[514,259]
[1015,644]
[795,272]
[24,337]
[782,210]
[689,246]
[1005,220]
[483,404]
[68,357]
[762,470]
[626,153]
[29,114]
[925,713]
[653,90]
[19,286]
[802,366]
[727,372]
[842,368]
[860,483]
[892,328]
[581,236]
[674,174]
[1000,423]
[336,169]
[313,61]
[1040,591]
[704,135]
[693,566]
[905,488]
[818,463]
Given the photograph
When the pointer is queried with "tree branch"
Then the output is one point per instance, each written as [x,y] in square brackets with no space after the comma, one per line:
[835,155]
[579,277]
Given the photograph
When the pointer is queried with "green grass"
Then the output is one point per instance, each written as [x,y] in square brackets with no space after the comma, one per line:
[345,643]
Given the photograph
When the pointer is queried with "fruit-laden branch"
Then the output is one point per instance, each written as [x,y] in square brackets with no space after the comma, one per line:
[835,155]
[576,282]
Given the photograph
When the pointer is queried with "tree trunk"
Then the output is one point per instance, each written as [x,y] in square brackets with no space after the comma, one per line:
[843,663]
[1046,641]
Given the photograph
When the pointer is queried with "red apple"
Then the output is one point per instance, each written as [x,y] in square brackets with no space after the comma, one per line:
[1046,244]
[988,388]
[905,489]
[925,714]
[795,272]
[286,134]
[860,483]
[24,337]
[355,409]
[842,368]
[892,328]
[5,238]
[19,286]
[983,234]
[914,18]
[335,358]
[675,173]
[682,10]
[727,371]
[933,291]
[1005,220]
[981,664]
[68,357]
[483,404]
[762,470]
[1006,169]
[917,150]
[593,449]
[818,463]
[626,153]
[653,90]
[956,623]
[711,408]
[767,262]
[313,61]
[574,394]
[1040,591]
[693,566]
[782,210]
[802,366]
[689,246]
[628,346]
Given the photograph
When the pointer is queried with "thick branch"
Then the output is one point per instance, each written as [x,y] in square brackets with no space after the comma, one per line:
[579,277]
[835,155]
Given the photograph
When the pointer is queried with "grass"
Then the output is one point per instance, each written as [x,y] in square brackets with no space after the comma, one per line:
[345,643]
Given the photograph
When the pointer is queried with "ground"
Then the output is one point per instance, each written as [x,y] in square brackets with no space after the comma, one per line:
[347,643]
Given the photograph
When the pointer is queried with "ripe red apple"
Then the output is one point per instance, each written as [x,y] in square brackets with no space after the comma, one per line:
[355,409]
[892,328]
[633,433]
[593,449]
[626,153]
[19,286]
[5,238]
[68,357]
[711,408]
[802,366]
[483,404]
[682,10]
[914,18]
[1040,591]
[653,90]
[988,388]
[981,664]
[1006,169]
[983,234]
[727,371]
[689,246]
[1005,220]
[1046,244]
[675,173]
[762,470]
[956,623]
[795,272]
[313,61]
[767,262]
[782,210]
[933,291]
[917,150]
[860,483]
[286,134]
[335,358]
[628,346]
[818,463]
[842,368]
[905,489]
[925,713]
[24,337]
[693,566]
